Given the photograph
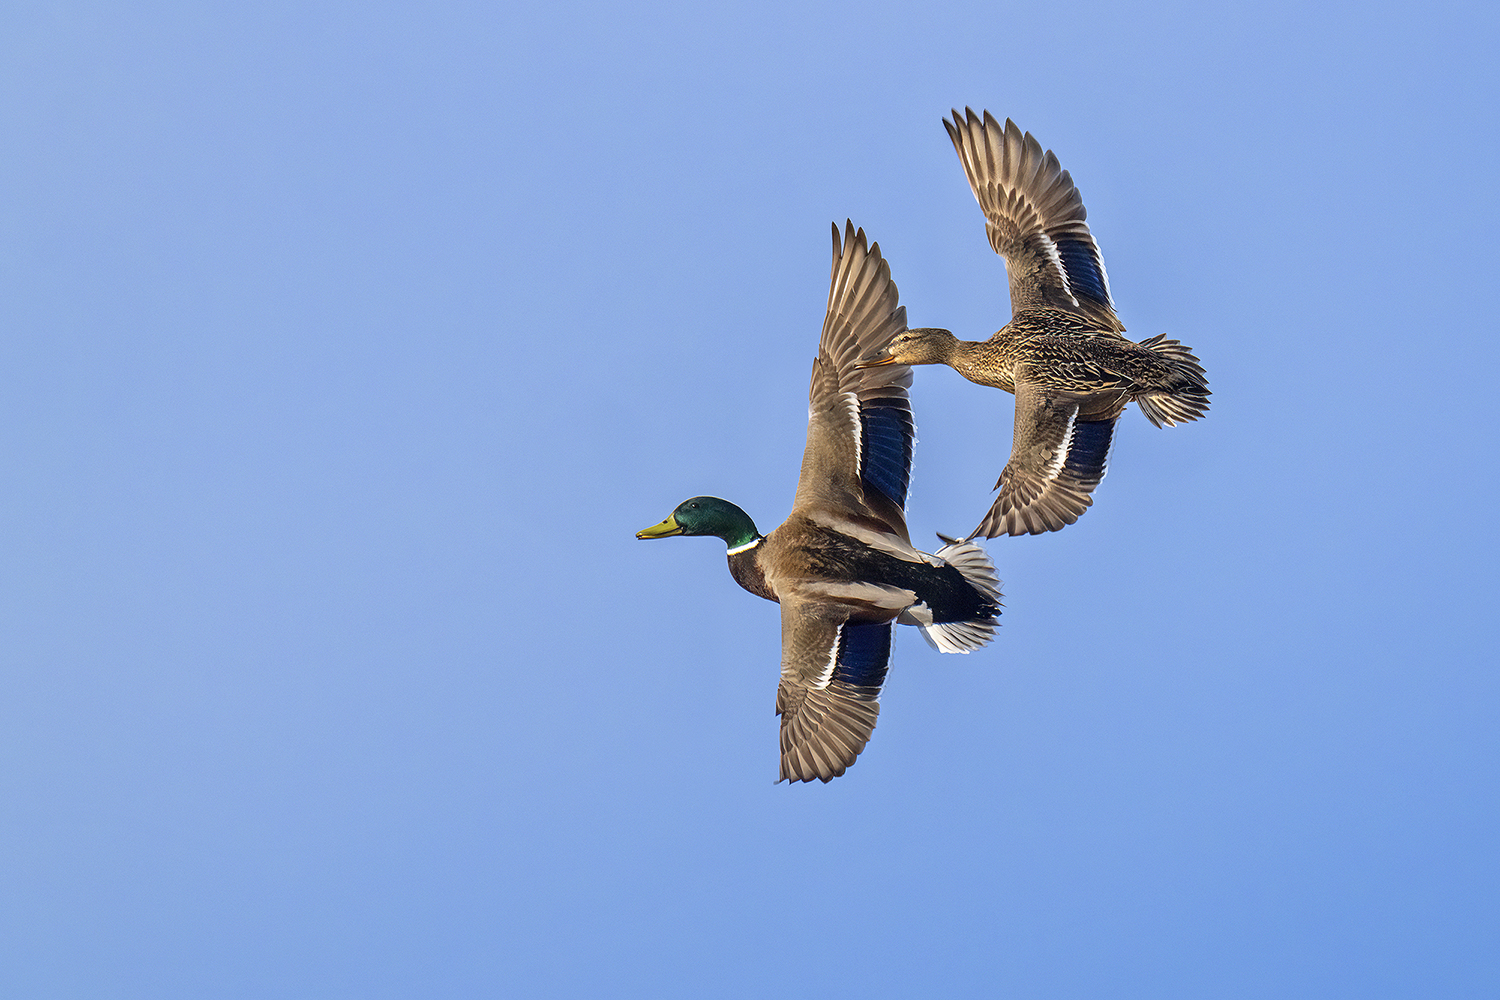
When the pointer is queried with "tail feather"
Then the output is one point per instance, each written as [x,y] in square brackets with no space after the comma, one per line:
[974,565]
[958,637]
[1187,398]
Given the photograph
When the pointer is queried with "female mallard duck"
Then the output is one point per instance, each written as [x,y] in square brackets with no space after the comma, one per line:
[842,565]
[1062,352]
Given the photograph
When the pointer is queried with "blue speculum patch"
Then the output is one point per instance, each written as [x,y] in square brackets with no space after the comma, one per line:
[1089,450]
[864,654]
[1085,270]
[886,446]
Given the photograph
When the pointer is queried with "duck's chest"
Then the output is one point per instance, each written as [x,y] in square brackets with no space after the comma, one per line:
[809,555]
[995,362]
[996,371]
[746,568]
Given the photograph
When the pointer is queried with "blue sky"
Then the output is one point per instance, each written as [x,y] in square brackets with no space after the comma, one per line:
[345,346]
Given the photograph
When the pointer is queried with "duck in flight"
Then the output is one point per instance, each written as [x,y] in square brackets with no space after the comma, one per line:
[1063,353]
[842,565]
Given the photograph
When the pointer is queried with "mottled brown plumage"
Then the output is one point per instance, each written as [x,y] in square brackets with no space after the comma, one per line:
[1062,354]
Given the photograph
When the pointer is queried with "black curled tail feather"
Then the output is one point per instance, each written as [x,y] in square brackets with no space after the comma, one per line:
[960,616]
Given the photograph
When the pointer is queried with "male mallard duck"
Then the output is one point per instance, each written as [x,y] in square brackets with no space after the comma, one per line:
[842,565]
[1062,352]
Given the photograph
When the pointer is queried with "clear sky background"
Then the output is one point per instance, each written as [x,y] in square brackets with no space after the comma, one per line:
[344,347]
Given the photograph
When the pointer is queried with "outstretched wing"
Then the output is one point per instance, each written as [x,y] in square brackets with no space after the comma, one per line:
[860,432]
[831,673]
[1035,219]
[1057,457]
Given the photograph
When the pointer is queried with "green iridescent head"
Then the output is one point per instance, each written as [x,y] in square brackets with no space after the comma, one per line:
[706,516]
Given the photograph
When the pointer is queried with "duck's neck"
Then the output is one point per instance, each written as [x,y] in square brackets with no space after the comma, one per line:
[984,362]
